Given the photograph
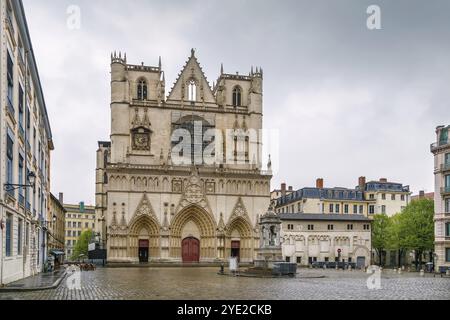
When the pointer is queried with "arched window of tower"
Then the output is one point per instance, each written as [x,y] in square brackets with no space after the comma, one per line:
[142,90]
[237,96]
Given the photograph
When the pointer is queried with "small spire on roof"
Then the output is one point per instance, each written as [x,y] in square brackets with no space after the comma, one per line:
[160,64]
[192,52]
[221,68]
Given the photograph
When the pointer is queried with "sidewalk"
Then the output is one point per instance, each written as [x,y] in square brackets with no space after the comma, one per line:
[42,281]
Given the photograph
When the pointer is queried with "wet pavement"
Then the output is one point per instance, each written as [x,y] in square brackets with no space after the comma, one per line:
[38,282]
[206,284]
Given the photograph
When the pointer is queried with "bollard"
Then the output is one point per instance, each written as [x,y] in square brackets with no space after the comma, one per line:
[447,273]
[325,267]
[395,269]
[399,271]
[403,268]
[349,268]
[422,272]
[336,267]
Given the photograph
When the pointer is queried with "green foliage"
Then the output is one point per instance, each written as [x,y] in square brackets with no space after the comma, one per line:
[380,233]
[416,226]
[411,229]
[82,244]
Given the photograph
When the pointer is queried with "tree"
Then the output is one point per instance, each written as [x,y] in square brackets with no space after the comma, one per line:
[81,248]
[380,235]
[396,234]
[417,227]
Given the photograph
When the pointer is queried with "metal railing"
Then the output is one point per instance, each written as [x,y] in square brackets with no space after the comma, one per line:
[439,144]
[10,23]
[10,107]
[445,190]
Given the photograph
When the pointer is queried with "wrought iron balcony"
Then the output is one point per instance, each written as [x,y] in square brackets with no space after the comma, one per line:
[445,167]
[445,190]
[435,146]
[10,106]
[10,25]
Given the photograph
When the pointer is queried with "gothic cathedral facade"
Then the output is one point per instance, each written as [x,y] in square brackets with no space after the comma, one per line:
[181,179]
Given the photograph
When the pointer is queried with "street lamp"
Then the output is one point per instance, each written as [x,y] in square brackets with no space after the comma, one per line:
[31,179]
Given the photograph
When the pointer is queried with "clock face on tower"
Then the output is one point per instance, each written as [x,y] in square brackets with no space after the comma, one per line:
[141,141]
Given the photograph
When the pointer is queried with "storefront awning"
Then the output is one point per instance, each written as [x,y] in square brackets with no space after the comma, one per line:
[57,253]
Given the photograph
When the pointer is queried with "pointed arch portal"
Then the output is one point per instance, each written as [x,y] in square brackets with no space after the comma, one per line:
[199,246]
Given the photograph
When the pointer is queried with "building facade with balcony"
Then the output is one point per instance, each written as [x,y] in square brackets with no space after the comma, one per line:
[26,142]
[79,218]
[196,198]
[441,152]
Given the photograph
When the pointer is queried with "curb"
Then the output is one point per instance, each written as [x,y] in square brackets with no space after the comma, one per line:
[53,286]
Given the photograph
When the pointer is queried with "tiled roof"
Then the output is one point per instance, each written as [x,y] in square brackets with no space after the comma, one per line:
[325,193]
[323,217]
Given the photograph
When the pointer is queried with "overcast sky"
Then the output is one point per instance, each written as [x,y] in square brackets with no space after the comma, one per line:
[347,101]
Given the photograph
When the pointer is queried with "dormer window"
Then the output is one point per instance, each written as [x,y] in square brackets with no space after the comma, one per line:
[192,91]
[237,97]
[142,90]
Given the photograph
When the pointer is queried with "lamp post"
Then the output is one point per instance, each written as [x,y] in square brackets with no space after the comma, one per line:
[31,183]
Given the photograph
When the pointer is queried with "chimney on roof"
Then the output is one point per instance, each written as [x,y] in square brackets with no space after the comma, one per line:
[319,183]
[422,194]
[61,198]
[383,180]
[283,189]
[291,188]
[362,183]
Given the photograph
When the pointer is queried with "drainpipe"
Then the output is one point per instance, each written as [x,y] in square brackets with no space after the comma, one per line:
[1,248]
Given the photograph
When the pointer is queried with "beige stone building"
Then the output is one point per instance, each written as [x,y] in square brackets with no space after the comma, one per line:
[309,238]
[25,145]
[79,218]
[56,218]
[390,197]
[181,179]
[441,152]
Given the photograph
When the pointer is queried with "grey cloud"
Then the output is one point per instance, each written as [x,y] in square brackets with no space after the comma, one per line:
[347,101]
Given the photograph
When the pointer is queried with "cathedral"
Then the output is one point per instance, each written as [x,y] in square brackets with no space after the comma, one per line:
[182,178]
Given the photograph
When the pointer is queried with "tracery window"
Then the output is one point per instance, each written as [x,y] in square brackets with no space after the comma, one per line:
[142,90]
[237,97]
[192,91]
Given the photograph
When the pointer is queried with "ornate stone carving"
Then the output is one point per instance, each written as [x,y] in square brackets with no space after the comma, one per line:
[210,187]
[177,186]
[194,193]
[145,208]
[239,211]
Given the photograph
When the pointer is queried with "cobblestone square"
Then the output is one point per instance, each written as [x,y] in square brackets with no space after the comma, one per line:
[206,284]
